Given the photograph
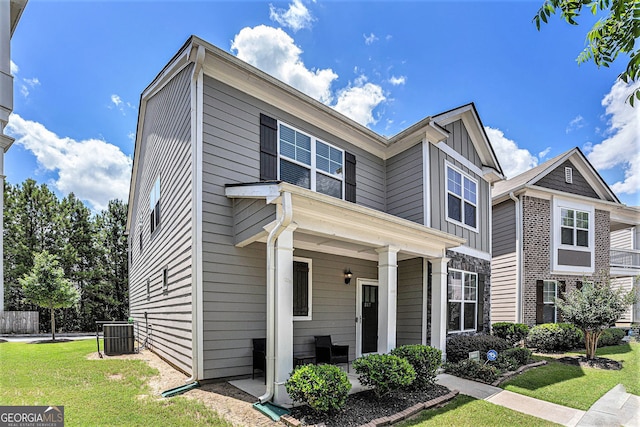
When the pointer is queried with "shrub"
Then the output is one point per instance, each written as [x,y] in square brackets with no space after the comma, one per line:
[425,361]
[555,337]
[459,346]
[513,333]
[322,387]
[611,336]
[472,370]
[521,355]
[505,363]
[384,372]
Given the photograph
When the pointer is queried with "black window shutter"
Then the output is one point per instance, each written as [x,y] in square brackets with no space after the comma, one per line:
[539,302]
[562,288]
[268,148]
[579,285]
[300,288]
[480,319]
[350,177]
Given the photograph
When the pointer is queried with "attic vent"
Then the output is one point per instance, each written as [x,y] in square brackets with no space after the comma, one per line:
[568,175]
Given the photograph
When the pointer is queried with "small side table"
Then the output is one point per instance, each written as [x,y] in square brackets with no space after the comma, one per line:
[304,359]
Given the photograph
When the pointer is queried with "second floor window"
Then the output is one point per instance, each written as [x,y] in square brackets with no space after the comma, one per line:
[462,198]
[574,227]
[310,163]
[154,205]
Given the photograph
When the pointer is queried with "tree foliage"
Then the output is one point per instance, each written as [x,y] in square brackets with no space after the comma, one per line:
[594,308]
[91,249]
[617,33]
[46,286]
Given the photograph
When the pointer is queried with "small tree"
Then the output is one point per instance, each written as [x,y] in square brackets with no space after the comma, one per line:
[593,309]
[46,286]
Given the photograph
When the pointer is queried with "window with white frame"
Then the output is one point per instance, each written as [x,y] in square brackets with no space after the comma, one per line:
[302,287]
[308,162]
[549,295]
[574,227]
[154,205]
[462,198]
[462,295]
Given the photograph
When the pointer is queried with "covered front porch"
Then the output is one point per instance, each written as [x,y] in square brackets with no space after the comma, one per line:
[389,259]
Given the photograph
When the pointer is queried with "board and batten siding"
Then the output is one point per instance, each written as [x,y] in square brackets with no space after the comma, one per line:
[234,278]
[409,308]
[460,141]
[405,190]
[166,153]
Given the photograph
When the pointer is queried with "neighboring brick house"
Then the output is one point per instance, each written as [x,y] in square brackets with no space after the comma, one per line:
[552,228]
[250,202]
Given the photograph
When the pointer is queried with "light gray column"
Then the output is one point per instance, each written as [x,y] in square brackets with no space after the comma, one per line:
[388,297]
[439,304]
[284,314]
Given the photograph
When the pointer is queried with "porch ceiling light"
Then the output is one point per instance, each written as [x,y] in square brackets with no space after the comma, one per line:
[347,276]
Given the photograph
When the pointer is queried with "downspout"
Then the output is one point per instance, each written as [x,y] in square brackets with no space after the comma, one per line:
[518,258]
[196,217]
[282,223]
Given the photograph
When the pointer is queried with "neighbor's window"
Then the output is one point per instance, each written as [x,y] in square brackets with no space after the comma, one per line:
[310,163]
[462,198]
[154,205]
[549,295]
[574,227]
[462,294]
[301,289]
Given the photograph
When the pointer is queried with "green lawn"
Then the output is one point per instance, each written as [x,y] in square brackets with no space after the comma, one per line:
[467,411]
[93,392]
[580,387]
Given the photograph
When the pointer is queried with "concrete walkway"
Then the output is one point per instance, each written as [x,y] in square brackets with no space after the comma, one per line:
[615,408]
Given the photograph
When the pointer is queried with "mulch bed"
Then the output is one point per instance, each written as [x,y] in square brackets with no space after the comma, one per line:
[363,407]
[57,340]
[598,362]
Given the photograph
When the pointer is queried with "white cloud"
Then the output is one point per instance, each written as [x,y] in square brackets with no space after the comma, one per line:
[514,160]
[359,101]
[544,153]
[622,148]
[28,84]
[396,81]
[575,124]
[274,51]
[296,17]
[92,169]
[116,100]
[369,39]
[14,68]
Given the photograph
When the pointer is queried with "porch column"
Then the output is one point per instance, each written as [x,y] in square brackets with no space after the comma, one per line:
[387,296]
[439,304]
[284,313]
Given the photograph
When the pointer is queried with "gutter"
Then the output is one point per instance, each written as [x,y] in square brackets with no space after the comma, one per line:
[518,256]
[281,224]
[196,215]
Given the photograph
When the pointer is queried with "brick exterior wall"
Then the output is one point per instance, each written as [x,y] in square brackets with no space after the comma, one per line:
[536,248]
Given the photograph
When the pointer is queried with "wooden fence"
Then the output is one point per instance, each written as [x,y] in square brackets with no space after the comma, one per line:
[19,322]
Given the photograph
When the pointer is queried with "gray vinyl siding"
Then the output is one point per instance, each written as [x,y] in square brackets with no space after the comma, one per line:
[250,217]
[504,228]
[405,190]
[503,288]
[555,180]
[460,141]
[476,240]
[165,152]
[409,308]
[333,302]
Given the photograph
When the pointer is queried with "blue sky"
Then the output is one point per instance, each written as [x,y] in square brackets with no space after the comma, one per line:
[80,67]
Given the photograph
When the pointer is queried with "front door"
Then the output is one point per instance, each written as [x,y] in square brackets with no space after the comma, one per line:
[369,319]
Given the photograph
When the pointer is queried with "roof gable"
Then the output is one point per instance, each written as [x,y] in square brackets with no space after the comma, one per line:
[557,180]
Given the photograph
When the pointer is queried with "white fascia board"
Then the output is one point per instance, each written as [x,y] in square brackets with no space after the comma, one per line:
[269,192]
[548,194]
[466,250]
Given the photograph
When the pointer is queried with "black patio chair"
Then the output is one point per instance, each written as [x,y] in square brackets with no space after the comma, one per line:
[326,352]
[259,357]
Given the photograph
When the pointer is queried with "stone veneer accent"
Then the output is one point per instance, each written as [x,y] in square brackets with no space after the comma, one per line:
[536,251]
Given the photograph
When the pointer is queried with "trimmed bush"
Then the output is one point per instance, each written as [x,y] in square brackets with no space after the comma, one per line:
[473,370]
[505,363]
[513,333]
[425,361]
[521,355]
[322,387]
[555,337]
[384,372]
[459,346]
[611,336]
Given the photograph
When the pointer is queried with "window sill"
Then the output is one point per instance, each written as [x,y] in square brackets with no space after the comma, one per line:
[301,318]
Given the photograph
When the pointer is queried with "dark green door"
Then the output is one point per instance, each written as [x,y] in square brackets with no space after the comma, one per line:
[369,319]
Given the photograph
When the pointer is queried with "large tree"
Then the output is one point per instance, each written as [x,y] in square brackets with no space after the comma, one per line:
[46,286]
[594,308]
[614,34]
